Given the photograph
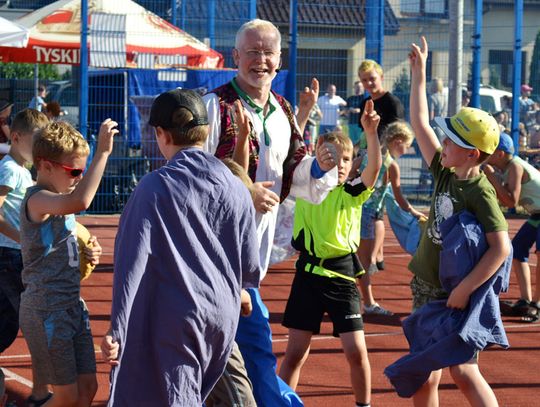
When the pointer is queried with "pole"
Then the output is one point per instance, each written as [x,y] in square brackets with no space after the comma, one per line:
[293,52]
[183,15]
[455,56]
[477,53]
[374,30]
[173,12]
[252,9]
[83,102]
[516,70]
[211,22]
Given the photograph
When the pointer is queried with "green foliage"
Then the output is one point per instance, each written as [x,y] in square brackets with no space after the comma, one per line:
[12,70]
[534,74]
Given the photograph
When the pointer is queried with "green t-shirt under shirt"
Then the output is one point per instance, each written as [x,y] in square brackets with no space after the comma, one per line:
[450,196]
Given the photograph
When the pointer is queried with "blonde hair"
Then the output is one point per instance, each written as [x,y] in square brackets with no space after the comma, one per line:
[195,135]
[28,121]
[437,85]
[340,139]
[238,171]
[257,25]
[370,65]
[398,130]
[57,139]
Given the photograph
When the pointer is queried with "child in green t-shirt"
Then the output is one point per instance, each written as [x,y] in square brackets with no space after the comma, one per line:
[327,236]
[472,135]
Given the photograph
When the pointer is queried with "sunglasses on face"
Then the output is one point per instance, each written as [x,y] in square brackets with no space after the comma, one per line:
[72,172]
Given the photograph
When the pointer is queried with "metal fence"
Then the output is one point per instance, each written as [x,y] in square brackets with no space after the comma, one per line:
[329,38]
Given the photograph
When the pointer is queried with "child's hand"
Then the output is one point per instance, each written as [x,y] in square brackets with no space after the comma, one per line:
[418,56]
[264,199]
[459,297]
[245,303]
[110,349]
[326,154]
[241,120]
[370,119]
[106,134]
[93,251]
[309,96]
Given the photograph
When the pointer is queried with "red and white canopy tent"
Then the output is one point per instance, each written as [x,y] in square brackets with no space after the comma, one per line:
[12,35]
[122,34]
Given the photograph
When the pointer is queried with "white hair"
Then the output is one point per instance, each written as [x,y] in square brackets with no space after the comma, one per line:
[259,25]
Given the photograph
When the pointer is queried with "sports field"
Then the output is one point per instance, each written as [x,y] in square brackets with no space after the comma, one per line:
[512,373]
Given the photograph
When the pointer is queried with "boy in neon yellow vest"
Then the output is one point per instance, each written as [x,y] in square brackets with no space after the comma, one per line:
[327,236]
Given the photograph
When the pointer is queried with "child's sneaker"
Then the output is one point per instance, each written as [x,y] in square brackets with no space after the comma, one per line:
[376,309]
[372,269]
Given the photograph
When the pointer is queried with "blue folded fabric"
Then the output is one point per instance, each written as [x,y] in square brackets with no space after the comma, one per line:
[439,336]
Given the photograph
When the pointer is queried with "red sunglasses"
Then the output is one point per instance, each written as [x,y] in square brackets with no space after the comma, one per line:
[73,172]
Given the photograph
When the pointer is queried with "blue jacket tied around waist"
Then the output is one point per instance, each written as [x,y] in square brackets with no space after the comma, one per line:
[439,336]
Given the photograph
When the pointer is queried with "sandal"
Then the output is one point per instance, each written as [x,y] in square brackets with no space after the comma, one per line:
[32,402]
[533,315]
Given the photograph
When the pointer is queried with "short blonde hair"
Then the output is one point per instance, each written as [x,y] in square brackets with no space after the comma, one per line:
[370,65]
[56,140]
[341,139]
[28,121]
[398,130]
[256,25]
[437,85]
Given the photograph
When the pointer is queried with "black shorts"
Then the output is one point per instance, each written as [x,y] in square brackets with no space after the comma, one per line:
[312,295]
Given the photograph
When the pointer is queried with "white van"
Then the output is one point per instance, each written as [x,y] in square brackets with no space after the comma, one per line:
[491,99]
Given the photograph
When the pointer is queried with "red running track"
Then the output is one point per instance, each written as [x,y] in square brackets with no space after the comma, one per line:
[324,381]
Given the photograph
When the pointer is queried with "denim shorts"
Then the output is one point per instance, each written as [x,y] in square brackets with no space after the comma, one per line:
[11,288]
[522,242]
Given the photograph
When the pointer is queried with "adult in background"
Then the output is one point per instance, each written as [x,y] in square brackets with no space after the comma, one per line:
[353,109]
[331,106]
[526,105]
[5,112]
[437,100]
[278,164]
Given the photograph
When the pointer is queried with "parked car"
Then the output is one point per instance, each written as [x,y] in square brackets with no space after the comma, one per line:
[67,96]
[491,99]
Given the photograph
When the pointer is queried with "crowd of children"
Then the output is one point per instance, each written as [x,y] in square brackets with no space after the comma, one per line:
[188,248]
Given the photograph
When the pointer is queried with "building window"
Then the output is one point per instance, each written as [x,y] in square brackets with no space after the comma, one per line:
[425,8]
[501,64]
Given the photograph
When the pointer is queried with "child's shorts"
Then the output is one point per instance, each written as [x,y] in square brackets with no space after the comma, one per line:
[525,237]
[60,343]
[369,217]
[312,295]
[424,292]
[11,287]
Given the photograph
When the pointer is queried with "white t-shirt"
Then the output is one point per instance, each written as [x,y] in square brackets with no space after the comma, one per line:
[330,109]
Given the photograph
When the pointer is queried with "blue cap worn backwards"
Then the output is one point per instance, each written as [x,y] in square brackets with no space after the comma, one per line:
[506,144]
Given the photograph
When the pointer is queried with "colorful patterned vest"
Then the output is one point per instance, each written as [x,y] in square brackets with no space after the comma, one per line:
[297,149]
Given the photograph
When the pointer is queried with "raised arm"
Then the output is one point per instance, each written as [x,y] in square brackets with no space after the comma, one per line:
[308,99]
[425,136]
[45,203]
[370,121]
[241,149]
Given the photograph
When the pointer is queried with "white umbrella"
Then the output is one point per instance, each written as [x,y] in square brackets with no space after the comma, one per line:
[12,34]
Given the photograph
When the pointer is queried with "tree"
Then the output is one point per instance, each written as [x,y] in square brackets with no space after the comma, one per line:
[13,70]
[534,75]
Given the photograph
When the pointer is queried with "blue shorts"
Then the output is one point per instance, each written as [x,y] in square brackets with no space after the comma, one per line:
[369,217]
[524,239]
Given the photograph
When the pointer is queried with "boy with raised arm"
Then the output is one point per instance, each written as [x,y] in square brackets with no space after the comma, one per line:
[53,318]
[327,236]
[472,136]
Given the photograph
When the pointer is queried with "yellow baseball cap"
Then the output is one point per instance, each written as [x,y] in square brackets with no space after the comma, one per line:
[471,128]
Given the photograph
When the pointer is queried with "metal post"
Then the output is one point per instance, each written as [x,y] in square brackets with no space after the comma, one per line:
[83,102]
[455,56]
[374,30]
[477,53]
[252,9]
[183,15]
[36,81]
[173,12]
[290,93]
[212,22]
[516,69]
